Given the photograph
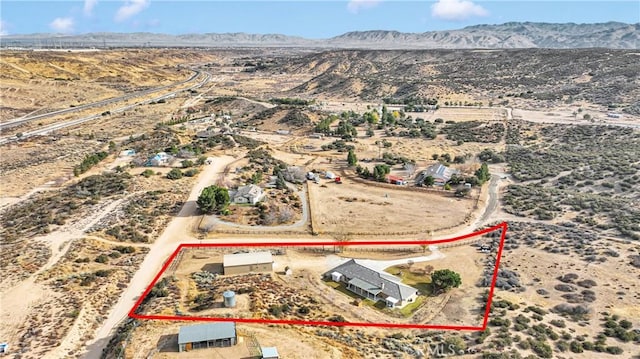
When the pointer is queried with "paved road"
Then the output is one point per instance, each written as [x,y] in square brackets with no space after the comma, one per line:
[57,126]
[20,120]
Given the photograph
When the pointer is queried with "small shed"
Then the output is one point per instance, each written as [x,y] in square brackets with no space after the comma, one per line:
[4,348]
[269,353]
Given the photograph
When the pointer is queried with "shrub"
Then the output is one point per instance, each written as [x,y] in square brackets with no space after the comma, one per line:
[174,174]
[102,273]
[558,323]
[304,310]
[576,347]
[147,173]
[562,345]
[625,324]
[103,258]
[542,349]
[614,350]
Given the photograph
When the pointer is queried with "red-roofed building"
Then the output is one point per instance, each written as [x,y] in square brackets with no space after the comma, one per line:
[396,180]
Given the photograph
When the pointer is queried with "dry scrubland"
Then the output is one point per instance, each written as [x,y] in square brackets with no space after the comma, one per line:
[568,281]
[193,286]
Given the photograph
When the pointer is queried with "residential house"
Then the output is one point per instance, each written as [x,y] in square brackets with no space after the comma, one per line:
[441,174]
[159,159]
[251,194]
[372,284]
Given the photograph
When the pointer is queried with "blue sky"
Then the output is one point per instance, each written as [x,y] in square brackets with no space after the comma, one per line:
[307,18]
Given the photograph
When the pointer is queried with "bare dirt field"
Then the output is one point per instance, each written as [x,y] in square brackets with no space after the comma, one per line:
[356,208]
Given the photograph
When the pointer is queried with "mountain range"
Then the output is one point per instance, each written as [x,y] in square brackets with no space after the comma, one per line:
[614,35]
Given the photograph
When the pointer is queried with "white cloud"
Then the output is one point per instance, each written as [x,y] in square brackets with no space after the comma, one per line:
[355,6]
[88,6]
[456,10]
[130,8]
[4,28]
[62,24]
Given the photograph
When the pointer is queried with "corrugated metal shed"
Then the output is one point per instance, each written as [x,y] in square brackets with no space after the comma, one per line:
[242,259]
[206,332]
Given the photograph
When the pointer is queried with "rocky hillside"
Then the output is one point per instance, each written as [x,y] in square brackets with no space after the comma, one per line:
[600,76]
[509,35]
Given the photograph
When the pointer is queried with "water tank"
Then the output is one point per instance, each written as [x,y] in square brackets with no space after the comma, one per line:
[229,299]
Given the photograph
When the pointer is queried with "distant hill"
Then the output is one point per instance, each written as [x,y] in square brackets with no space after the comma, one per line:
[614,35]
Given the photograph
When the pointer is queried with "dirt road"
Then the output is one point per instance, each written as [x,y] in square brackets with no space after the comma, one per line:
[177,231]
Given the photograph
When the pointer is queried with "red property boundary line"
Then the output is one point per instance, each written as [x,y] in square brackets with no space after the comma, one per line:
[503,226]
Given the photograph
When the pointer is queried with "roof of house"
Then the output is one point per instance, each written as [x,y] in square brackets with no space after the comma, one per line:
[248,191]
[438,171]
[394,178]
[373,281]
[269,352]
[241,259]
[204,332]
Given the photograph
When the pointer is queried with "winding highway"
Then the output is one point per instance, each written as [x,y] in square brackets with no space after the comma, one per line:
[57,126]
[24,119]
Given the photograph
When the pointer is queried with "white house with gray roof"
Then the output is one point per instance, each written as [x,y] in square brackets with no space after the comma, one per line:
[372,284]
[441,174]
[247,194]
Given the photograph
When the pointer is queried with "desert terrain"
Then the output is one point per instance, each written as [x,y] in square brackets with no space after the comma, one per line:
[90,211]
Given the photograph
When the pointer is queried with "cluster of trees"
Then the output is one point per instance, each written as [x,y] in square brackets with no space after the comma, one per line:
[410,101]
[324,126]
[213,199]
[290,101]
[482,173]
[88,162]
[379,173]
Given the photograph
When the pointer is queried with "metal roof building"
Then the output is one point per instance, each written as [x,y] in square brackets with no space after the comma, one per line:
[372,284]
[441,174]
[269,353]
[207,336]
[251,262]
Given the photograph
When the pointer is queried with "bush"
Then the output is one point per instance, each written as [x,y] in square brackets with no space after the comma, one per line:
[103,258]
[304,310]
[542,349]
[626,324]
[558,323]
[174,174]
[147,173]
[614,350]
[102,273]
[191,172]
[576,347]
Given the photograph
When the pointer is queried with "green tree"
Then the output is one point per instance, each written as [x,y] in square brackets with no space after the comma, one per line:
[174,174]
[380,172]
[213,199]
[445,279]
[428,181]
[483,173]
[351,158]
